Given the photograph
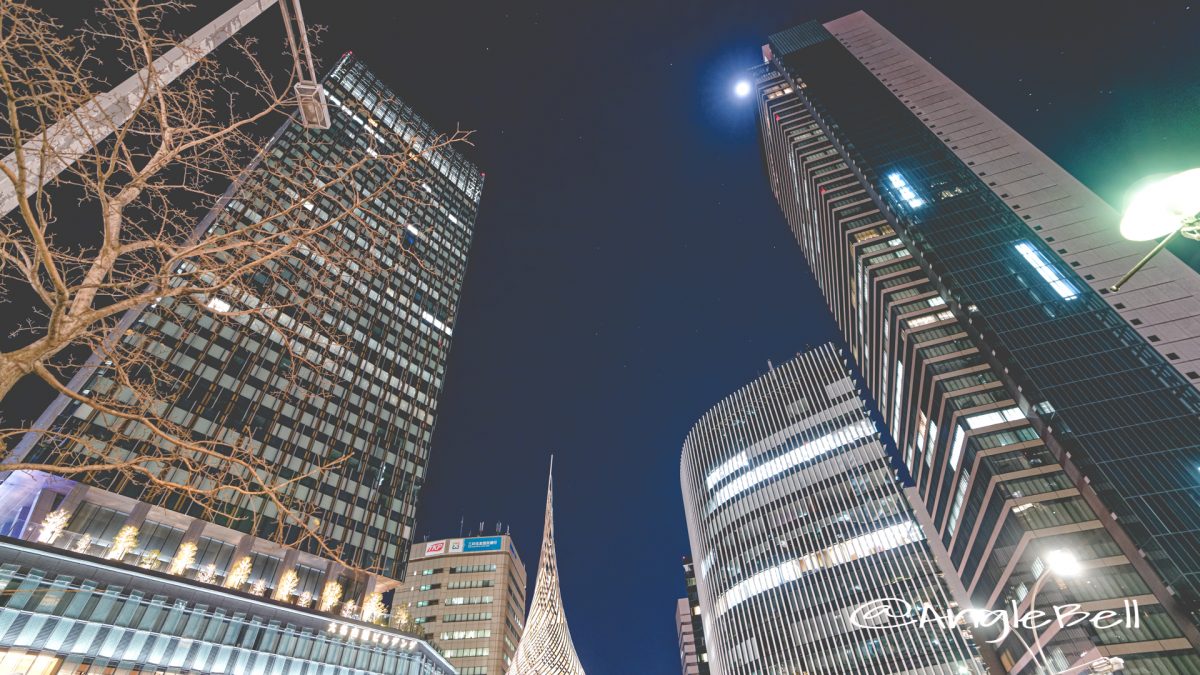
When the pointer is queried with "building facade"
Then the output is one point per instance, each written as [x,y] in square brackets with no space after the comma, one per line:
[468,595]
[690,625]
[546,647]
[232,381]
[797,520]
[689,660]
[1034,412]
[67,614]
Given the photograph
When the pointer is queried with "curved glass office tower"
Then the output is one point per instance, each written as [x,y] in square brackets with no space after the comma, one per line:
[797,524]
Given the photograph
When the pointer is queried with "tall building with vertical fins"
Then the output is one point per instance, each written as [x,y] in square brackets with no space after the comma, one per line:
[546,647]
[230,383]
[796,520]
[1035,412]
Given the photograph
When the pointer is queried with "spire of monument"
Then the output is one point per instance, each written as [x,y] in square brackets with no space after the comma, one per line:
[546,647]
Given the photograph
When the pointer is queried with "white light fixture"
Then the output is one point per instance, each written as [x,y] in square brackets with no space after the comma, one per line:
[1063,563]
[1162,208]
[742,89]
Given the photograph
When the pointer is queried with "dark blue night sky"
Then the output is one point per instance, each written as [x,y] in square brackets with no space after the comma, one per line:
[630,267]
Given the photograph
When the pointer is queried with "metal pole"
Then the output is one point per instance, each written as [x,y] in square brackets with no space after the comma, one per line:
[61,144]
[1142,263]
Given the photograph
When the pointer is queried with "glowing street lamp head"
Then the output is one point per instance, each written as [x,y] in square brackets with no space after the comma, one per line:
[1063,563]
[742,89]
[1161,207]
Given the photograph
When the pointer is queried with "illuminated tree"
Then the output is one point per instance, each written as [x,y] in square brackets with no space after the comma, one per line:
[330,596]
[305,600]
[84,544]
[239,573]
[373,610]
[287,585]
[53,525]
[349,609]
[150,560]
[208,575]
[259,587]
[184,557]
[125,541]
[404,622]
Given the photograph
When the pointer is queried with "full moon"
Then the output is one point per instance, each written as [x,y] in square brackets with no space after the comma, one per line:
[742,89]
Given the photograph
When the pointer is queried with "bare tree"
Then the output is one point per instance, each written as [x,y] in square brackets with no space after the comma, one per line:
[137,245]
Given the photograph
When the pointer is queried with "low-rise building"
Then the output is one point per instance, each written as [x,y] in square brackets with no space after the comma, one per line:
[468,595]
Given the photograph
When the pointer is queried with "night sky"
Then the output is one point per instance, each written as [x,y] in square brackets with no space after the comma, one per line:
[630,267]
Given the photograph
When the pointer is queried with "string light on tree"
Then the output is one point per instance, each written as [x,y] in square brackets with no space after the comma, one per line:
[53,525]
[287,585]
[125,541]
[184,557]
[149,560]
[373,608]
[208,575]
[330,596]
[240,573]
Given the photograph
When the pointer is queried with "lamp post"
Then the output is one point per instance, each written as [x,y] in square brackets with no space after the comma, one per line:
[1162,208]
[1058,563]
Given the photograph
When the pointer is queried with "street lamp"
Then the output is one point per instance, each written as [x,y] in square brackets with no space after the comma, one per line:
[310,95]
[1161,209]
[1058,563]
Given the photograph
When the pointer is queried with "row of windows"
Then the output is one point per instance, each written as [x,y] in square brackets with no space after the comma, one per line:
[468,652]
[465,634]
[471,583]
[464,569]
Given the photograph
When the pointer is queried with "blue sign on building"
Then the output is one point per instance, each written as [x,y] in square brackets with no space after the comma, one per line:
[476,544]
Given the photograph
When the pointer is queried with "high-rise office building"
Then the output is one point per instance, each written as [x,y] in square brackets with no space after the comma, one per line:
[1038,415]
[468,595]
[546,647]
[693,651]
[797,520]
[372,401]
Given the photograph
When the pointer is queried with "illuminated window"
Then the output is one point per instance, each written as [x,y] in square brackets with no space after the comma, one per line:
[805,452]
[906,192]
[1034,257]
[979,421]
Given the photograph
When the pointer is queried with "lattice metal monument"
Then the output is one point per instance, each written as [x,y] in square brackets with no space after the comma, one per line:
[546,647]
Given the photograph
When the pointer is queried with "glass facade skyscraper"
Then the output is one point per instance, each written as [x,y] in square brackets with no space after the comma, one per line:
[363,387]
[1030,412]
[796,520]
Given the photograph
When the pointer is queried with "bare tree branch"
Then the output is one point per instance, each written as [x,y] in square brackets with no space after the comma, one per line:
[144,187]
